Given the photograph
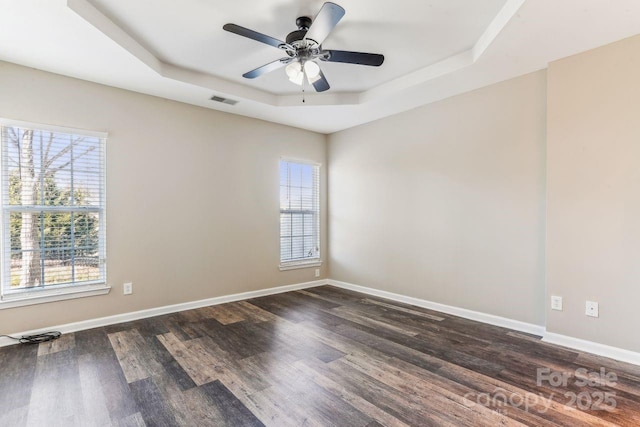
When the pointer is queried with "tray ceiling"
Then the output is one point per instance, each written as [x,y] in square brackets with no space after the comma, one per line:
[433,49]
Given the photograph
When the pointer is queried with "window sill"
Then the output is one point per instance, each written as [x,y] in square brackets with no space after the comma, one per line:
[300,264]
[31,297]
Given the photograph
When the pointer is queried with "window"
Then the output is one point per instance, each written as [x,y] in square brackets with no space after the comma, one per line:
[299,215]
[53,210]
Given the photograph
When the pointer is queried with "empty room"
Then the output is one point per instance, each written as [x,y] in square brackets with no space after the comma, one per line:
[309,213]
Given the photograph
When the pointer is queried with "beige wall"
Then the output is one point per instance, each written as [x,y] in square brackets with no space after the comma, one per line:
[446,202]
[593,239]
[192,194]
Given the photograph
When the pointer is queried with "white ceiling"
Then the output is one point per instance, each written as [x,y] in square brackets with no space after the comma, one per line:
[433,49]
[189,34]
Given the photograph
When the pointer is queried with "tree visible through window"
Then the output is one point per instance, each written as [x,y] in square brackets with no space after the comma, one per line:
[53,208]
[299,212]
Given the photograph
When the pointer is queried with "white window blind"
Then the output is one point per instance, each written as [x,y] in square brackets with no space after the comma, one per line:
[53,208]
[299,212]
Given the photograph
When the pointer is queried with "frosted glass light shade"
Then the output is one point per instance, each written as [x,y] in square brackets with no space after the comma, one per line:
[311,69]
[297,79]
[296,72]
[293,69]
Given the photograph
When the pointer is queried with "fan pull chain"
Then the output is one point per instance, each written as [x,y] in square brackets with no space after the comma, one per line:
[304,77]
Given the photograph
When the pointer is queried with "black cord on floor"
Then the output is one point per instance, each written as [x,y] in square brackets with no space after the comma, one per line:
[36,338]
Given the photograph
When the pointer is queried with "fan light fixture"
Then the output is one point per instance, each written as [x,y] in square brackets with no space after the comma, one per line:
[296,72]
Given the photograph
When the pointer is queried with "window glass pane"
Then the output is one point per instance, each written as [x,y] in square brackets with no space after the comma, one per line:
[299,234]
[53,200]
[285,225]
[309,248]
[26,269]
[295,171]
[284,174]
[57,239]
[15,226]
[306,198]
[57,270]
[285,248]
[297,247]
[86,234]
[85,267]
[295,198]
[297,225]
[307,176]
[57,189]
[309,224]
[26,231]
[284,197]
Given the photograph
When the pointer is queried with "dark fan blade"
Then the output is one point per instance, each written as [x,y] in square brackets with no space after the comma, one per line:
[361,58]
[245,32]
[328,17]
[267,68]
[321,84]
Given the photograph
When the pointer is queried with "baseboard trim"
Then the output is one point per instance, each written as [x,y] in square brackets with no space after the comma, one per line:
[157,311]
[448,309]
[616,353]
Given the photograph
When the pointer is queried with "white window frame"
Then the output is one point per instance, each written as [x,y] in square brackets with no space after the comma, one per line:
[38,295]
[305,262]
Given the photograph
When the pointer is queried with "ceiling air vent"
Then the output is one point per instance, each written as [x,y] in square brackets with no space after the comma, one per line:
[223,100]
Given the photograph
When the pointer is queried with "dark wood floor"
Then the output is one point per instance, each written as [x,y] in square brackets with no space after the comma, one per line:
[320,357]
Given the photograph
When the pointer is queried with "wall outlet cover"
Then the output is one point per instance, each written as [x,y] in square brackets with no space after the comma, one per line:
[592,309]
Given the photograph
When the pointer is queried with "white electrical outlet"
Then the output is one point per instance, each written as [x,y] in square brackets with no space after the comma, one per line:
[556,303]
[317,272]
[592,309]
[128,288]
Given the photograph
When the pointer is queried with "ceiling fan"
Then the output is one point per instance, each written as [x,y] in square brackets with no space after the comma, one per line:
[304,46]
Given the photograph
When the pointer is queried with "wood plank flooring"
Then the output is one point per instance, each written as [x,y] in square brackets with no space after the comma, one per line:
[318,357]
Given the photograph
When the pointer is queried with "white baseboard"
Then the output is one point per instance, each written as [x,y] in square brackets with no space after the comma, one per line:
[616,353]
[456,311]
[551,338]
[167,309]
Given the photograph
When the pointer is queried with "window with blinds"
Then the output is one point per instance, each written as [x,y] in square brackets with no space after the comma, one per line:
[299,212]
[53,208]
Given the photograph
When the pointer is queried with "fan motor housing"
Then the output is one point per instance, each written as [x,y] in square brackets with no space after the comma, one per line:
[303,23]
[295,36]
